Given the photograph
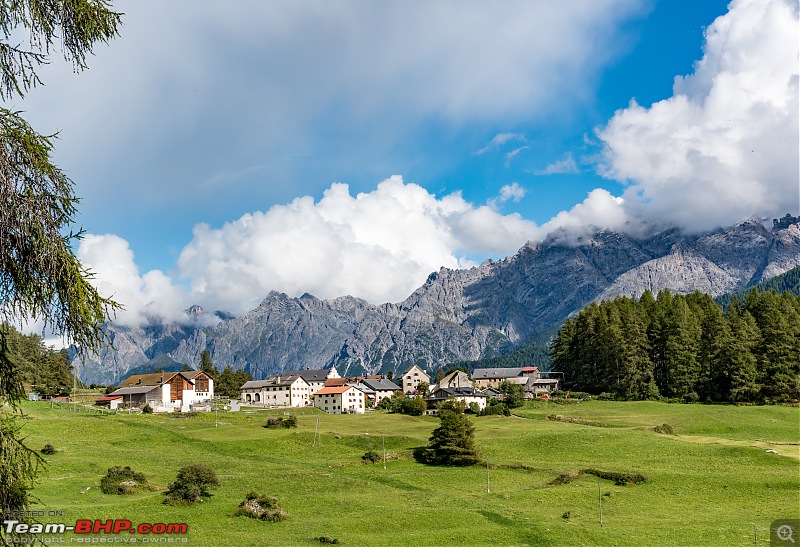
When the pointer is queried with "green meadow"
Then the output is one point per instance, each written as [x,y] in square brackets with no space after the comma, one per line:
[712,482]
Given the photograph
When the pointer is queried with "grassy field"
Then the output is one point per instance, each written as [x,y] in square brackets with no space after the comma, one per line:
[712,483]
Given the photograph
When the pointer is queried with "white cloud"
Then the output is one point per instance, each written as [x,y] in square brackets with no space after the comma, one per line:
[379,245]
[564,166]
[513,192]
[725,145]
[117,276]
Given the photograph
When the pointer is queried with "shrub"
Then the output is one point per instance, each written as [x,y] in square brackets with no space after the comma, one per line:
[618,477]
[665,429]
[122,480]
[495,407]
[327,540]
[280,421]
[372,457]
[147,409]
[48,449]
[261,507]
[191,485]
[452,405]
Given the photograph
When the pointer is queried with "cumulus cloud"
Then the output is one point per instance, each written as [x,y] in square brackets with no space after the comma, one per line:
[564,166]
[378,245]
[725,145]
[116,276]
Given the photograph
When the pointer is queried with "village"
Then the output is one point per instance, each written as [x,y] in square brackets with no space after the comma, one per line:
[325,389]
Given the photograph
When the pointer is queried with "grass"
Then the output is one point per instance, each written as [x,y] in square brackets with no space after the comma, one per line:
[711,491]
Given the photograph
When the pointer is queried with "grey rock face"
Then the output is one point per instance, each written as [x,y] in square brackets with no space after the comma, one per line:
[462,314]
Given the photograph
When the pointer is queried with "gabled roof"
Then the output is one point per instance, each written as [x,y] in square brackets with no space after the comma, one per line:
[330,382]
[192,374]
[457,392]
[412,367]
[334,390]
[495,373]
[153,379]
[133,390]
[381,384]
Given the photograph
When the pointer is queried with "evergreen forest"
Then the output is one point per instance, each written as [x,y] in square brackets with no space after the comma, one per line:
[40,368]
[684,347]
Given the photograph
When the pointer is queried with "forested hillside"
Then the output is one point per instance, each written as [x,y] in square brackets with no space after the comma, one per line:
[41,368]
[786,282]
[685,347]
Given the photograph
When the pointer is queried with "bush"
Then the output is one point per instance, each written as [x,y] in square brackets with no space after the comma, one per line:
[48,449]
[261,507]
[327,540]
[147,409]
[495,407]
[280,421]
[122,480]
[452,405]
[191,485]
[372,457]
[665,429]
[618,477]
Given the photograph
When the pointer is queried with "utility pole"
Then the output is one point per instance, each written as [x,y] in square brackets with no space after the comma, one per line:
[488,489]
[600,501]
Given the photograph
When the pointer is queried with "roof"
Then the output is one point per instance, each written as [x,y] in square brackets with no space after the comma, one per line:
[495,373]
[336,382]
[274,381]
[412,367]
[381,384]
[457,392]
[153,379]
[133,390]
[319,375]
[192,374]
[108,398]
[333,390]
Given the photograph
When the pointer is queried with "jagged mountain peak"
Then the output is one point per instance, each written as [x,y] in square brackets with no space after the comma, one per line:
[463,314]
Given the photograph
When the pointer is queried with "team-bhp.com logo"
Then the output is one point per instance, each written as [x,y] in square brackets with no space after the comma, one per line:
[95,527]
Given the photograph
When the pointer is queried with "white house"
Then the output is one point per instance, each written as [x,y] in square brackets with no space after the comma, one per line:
[340,400]
[316,378]
[467,395]
[383,388]
[411,379]
[281,390]
[493,377]
[166,391]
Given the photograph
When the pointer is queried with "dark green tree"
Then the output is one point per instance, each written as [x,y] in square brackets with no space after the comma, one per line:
[40,275]
[737,370]
[207,366]
[452,443]
[229,382]
[513,394]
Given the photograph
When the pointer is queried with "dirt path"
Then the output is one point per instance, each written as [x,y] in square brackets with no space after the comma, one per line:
[790,450]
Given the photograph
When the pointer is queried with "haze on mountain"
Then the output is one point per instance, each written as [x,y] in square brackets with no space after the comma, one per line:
[459,314]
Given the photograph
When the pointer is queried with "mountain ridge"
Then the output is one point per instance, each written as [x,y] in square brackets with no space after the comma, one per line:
[462,315]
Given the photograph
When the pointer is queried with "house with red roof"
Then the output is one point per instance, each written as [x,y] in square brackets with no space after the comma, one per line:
[340,400]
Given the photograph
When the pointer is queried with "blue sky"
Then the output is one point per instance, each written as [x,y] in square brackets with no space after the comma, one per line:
[209,144]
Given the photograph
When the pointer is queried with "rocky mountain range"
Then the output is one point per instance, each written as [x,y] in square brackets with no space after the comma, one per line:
[458,315]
